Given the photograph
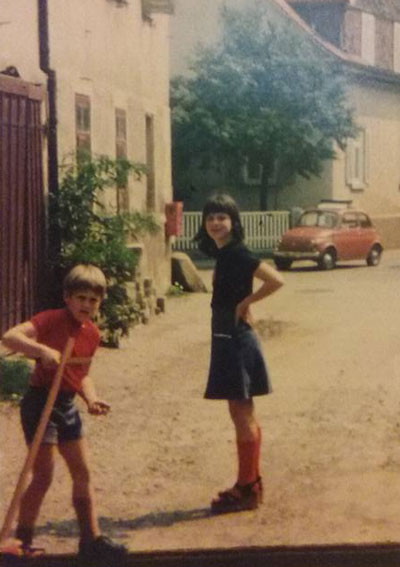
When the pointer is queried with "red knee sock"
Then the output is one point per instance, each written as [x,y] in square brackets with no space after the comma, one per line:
[258,456]
[249,460]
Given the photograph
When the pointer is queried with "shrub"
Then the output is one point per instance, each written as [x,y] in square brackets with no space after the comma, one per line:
[90,235]
[14,377]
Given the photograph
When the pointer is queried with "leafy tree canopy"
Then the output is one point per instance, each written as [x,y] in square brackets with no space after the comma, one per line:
[264,92]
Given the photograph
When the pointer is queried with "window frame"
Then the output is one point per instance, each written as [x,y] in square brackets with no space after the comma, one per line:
[83,121]
[357,161]
[121,152]
[249,179]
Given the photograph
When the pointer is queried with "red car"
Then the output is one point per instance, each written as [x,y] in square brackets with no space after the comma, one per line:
[332,232]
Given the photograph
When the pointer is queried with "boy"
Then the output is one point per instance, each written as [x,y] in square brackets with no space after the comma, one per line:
[44,338]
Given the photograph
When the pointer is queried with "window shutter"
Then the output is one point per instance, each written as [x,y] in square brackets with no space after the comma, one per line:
[349,162]
[157,6]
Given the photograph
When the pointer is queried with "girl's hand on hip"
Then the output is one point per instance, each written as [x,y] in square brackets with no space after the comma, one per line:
[243,312]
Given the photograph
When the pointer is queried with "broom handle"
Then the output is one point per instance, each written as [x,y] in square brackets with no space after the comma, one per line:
[34,448]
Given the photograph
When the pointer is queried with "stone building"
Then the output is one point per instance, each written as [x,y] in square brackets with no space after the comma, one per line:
[364,36]
[105,67]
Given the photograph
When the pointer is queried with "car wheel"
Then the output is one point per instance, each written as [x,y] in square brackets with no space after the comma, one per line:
[282,263]
[327,260]
[374,256]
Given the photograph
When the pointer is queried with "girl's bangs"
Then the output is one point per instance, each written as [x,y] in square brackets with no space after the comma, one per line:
[220,206]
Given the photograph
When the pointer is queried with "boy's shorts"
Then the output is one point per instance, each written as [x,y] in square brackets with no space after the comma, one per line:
[65,423]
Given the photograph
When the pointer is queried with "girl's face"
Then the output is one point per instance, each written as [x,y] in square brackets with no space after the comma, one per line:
[219,228]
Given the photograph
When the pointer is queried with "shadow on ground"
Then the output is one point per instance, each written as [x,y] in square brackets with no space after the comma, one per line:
[115,527]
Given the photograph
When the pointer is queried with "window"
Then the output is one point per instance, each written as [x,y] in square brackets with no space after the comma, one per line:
[396,47]
[318,218]
[82,123]
[356,162]
[384,42]
[349,220]
[153,6]
[364,220]
[150,177]
[121,151]
[252,172]
[368,38]
[119,3]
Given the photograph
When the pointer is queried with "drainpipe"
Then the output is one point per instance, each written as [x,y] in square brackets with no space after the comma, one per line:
[54,239]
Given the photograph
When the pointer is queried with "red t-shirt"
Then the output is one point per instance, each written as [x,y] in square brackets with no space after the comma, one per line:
[53,328]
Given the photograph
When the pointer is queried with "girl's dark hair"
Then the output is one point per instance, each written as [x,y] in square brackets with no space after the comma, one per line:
[219,203]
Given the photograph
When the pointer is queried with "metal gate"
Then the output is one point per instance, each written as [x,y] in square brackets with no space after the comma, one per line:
[22,215]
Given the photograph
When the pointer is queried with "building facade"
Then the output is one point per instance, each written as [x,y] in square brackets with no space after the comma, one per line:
[107,62]
[364,35]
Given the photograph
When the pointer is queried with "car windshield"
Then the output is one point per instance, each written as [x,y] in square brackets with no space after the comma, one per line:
[322,219]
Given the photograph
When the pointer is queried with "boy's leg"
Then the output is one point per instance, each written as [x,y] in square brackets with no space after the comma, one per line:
[92,545]
[32,498]
[75,454]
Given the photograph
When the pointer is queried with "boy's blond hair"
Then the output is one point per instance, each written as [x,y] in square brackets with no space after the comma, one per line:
[85,277]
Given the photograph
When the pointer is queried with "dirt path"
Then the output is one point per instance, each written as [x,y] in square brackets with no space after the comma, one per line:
[331,451]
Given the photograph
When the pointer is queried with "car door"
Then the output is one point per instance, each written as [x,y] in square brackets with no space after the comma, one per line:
[347,237]
[367,234]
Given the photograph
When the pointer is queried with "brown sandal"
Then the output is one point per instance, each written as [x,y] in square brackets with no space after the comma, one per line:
[17,549]
[238,498]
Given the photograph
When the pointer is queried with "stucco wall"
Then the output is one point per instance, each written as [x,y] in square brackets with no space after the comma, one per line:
[119,60]
[198,22]
[378,111]
[18,38]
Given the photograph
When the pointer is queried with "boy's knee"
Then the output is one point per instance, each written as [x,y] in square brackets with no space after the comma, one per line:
[42,479]
[81,476]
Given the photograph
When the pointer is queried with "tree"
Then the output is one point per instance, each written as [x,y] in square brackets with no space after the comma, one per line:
[263,92]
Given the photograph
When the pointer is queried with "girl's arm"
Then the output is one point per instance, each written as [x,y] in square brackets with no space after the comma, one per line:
[88,393]
[272,281]
[23,338]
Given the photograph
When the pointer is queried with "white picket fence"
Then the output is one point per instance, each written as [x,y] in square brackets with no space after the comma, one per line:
[262,229]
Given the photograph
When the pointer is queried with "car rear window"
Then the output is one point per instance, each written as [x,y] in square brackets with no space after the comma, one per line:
[322,219]
[365,222]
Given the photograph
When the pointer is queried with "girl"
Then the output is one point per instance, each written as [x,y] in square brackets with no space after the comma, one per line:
[237,369]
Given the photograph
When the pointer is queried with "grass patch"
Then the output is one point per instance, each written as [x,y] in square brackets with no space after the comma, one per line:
[14,377]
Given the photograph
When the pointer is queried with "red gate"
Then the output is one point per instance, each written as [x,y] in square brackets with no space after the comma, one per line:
[22,215]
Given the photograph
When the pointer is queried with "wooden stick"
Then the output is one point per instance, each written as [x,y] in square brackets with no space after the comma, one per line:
[35,445]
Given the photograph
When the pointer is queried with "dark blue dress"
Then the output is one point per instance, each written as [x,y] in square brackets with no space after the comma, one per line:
[237,368]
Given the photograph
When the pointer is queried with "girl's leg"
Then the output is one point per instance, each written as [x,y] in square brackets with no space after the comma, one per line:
[248,439]
[75,454]
[32,498]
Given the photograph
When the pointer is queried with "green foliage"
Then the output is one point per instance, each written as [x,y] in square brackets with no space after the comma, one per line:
[176,290]
[118,313]
[263,92]
[90,235]
[14,378]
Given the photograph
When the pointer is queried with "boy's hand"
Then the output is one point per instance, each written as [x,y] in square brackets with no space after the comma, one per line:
[98,407]
[49,357]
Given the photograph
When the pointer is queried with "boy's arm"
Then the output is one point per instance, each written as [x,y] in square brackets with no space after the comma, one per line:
[88,393]
[23,338]
[272,281]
